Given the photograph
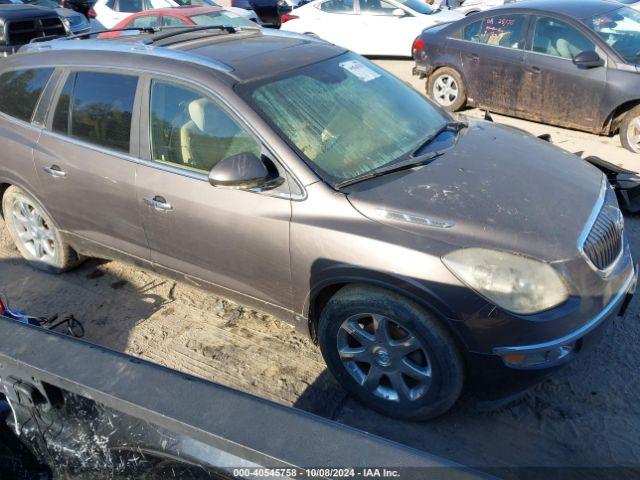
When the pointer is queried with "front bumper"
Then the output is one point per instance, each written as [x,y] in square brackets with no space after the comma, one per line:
[490,378]
[564,348]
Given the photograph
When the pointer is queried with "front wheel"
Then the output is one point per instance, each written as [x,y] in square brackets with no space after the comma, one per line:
[390,353]
[35,234]
[630,130]
[447,89]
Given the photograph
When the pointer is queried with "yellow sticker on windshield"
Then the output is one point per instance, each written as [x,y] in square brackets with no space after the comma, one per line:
[360,70]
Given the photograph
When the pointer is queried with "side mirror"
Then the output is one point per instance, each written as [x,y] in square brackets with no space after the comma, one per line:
[588,59]
[398,12]
[244,171]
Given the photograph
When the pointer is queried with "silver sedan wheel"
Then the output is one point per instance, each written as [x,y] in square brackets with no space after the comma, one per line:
[633,134]
[445,90]
[385,358]
[33,231]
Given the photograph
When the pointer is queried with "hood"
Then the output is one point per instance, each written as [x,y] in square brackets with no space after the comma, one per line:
[496,188]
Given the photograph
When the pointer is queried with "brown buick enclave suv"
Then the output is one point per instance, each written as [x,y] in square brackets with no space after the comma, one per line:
[422,254]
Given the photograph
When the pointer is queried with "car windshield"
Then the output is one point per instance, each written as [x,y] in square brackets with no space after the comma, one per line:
[221,18]
[417,6]
[345,115]
[621,30]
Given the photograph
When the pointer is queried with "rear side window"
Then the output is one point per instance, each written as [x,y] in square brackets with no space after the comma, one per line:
[130,6]
[499,30]
[20,91]
[337,6]
[97,108]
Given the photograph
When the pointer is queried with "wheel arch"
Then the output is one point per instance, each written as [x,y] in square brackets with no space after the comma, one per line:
[614,119]
[326,287]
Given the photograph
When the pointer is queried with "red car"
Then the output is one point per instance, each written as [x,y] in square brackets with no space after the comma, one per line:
[181,16]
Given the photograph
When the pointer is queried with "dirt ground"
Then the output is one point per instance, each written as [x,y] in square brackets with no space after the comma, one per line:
[587,415]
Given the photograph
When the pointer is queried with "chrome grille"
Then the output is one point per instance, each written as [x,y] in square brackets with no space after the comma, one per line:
[605,240]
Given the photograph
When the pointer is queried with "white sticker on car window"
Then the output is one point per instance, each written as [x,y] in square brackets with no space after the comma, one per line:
[229,14]
[360,70]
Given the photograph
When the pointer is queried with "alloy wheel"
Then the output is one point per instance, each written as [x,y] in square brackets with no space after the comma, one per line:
[33,231]
[385,358]
[445,90]
[633,134]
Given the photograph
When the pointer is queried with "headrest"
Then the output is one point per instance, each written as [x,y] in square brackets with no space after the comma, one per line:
[210,118]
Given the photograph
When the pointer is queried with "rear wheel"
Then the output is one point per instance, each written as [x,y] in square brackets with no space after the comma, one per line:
[35,235]
[630,130]
[390,353]
[447,89]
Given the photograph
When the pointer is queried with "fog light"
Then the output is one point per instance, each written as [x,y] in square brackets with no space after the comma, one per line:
[537,358]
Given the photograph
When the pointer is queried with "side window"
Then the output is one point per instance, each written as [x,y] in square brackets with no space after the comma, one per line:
[172,21]
[376,7]
[146,21]
[471,32]
[129,6]
[101,108]
[500,30]
[62,113]
[192,131]
[111,4]
[20,91]
[337,6]
[553,37]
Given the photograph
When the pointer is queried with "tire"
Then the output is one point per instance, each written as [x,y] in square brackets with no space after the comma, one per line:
[34,233]
[443,79]
[373,369]
[630,130]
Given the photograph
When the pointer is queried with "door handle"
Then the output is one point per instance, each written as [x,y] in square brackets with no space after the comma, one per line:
[474,57]
[535,70]
[55,171]
[159,203]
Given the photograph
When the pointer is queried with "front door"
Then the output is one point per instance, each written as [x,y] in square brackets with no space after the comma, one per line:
[235,239]
[83,161]
[558,92]
[492,52]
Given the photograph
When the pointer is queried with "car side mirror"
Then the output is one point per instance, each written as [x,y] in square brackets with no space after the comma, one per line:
[588,59]
[245,171]
[398,12]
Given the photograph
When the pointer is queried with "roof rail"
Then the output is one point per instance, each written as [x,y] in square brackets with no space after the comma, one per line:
[183,30]
[89,34]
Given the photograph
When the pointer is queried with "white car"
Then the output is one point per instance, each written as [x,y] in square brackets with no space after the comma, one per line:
[111,12]
[367,27]
[631,3]
[474,6]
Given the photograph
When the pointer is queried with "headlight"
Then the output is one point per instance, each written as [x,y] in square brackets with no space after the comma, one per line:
[513,282]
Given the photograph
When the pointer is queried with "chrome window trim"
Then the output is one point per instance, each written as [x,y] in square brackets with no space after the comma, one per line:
[21,123]
[587,230]
[160,166]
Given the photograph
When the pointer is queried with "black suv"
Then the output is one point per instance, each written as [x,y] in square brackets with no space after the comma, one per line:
[19,24]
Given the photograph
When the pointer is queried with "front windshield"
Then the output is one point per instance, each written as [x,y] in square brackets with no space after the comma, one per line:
[345,115]
[621,30]
[221,18]
[417,6]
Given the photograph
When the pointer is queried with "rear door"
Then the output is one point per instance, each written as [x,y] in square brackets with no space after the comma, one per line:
[85,160]
[557,91]
[492,51]
[235,239]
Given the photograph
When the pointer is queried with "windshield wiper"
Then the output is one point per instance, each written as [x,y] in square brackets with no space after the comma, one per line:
[415,160]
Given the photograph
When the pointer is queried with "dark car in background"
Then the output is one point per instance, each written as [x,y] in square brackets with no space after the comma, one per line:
[305,181]
[76,22]
[269,11]
[570,63]
[20,23]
